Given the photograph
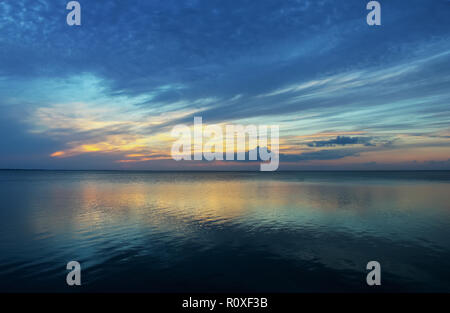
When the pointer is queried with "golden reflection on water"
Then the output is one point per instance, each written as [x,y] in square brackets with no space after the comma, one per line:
[91,205]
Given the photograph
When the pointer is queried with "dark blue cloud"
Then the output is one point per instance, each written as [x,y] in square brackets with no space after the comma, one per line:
[341,141]
[140,45]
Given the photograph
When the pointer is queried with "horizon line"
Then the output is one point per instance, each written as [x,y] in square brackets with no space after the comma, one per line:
[219,171]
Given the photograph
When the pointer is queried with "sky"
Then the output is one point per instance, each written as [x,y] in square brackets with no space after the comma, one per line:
[106,94]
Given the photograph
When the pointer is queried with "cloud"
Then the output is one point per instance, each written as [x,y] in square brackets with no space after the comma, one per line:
[342,141]
[134,69]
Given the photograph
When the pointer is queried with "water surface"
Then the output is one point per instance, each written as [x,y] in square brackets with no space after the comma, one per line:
[224,231]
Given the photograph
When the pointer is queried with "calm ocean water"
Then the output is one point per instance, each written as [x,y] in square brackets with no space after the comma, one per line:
[230,232]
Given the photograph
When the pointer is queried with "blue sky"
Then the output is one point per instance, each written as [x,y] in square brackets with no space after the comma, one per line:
[106,94]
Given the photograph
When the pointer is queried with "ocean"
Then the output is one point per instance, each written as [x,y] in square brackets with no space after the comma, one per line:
[224,231]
